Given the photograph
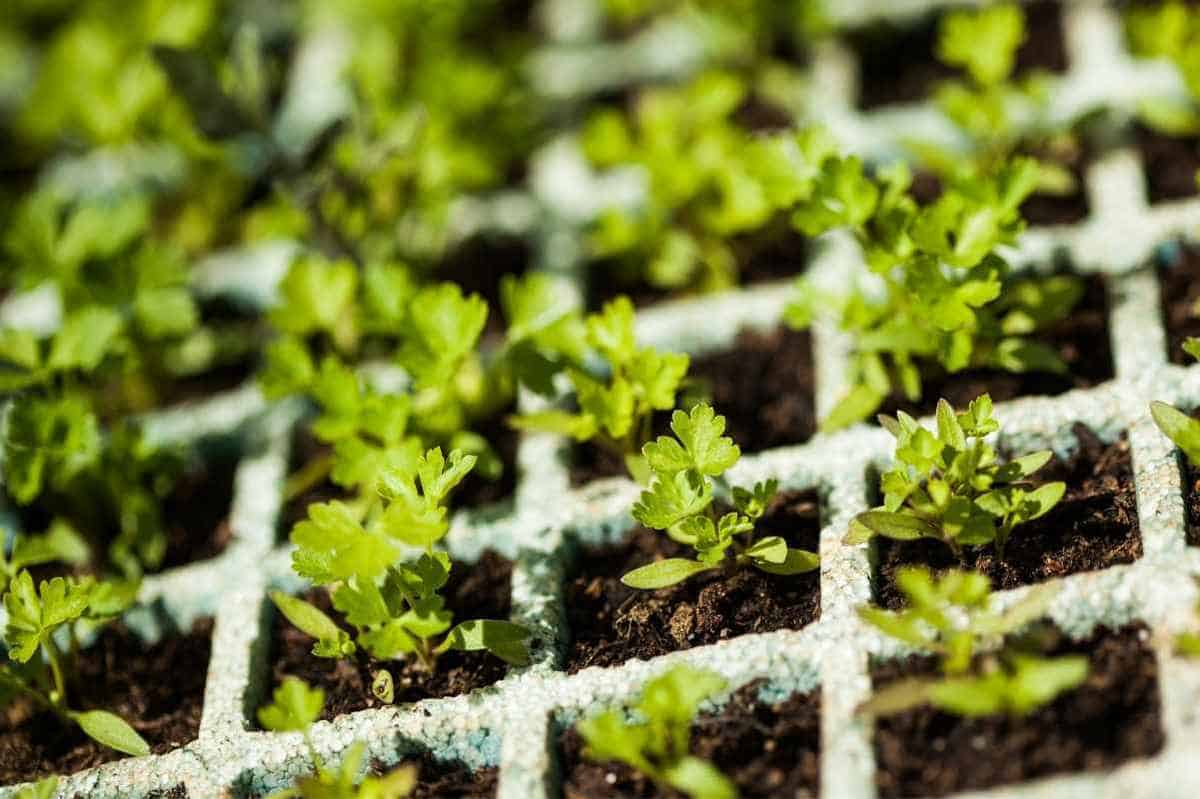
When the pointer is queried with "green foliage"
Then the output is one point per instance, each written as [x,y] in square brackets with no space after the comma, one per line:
[615,406]
[948,303]
[949,485]
[679,501]
[1168,30]
[293,708]
[42,789]
[952,617]
[656,744]
[38,617]
[390,601]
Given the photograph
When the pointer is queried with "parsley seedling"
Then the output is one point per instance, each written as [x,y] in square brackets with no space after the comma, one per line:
[950,486]
[679,501]
[39,618]
[1169,30]
[1183,430]
[294,707]
[657,744]
[616,407]
[389,600]
[952,617]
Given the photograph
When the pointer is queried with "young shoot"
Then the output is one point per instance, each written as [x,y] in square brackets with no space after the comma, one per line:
[616,403]
[657,743]
[391,601]
[1182,429]
[1169,30]
[949,485]
[43,646]
[680,501]
[294,707]
[983,670]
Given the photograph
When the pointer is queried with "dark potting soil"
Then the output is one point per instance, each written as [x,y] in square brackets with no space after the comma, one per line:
[474,591]
[450,778]
[1041,209]
[1113,717]
[768,750]
[228,373]
[764,386]
[1170,164]
[478,264]
[1179,283]
[611,623]
[776,252]
[1081,341]
[898,64]
[1094,526]
[197,511]
[124,675]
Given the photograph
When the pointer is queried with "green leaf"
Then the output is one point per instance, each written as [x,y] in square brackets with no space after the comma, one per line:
[772,549]
[1037,681]
[505,640]
[1040,501]
[900,526]
[1182,429]
[671,499]
[442,331]
[699,779]
[331,545]
[611,331]
[288,368]
[33,615]
[949,430]
[855,406]
[111,731]
[317,296]
[85,338]
[438,480]
[312,621]
[754,503]
[983,41]
[901,626]
[294,707]
[42,789]
[663,573]
[704,448]
[1023,467]
[896,697]
[969,696]
[165,312]
[578,426]
[656,376]
[796,561]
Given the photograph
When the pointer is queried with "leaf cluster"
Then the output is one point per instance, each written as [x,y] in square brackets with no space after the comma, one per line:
[948,302]
[39,617]
[618,397]
[680,501]
[949,485]
[294,707]
[952,617]
[1169,30]
[656,744]
[391,602]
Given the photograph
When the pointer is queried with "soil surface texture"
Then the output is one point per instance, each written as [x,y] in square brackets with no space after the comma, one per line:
[474,591]
[1113,717]
[1081,341]
[899,63]
[612,623]
[197,511]
[124,675]
[1169,163]
[768,750]
[1180,292]
[1094,526]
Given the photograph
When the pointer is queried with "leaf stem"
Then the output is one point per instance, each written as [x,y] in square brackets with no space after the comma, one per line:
[308,477]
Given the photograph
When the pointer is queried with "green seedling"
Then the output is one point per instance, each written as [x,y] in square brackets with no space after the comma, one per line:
[949,485]
[656,744]
[983,672]
[294,707]
[679,501]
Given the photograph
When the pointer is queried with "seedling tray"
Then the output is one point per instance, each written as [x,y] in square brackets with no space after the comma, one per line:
[514,724]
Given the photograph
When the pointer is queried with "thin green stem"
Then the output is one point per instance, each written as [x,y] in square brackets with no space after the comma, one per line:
[52,657]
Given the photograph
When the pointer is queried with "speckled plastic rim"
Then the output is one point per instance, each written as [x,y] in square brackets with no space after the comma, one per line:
[511,724]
